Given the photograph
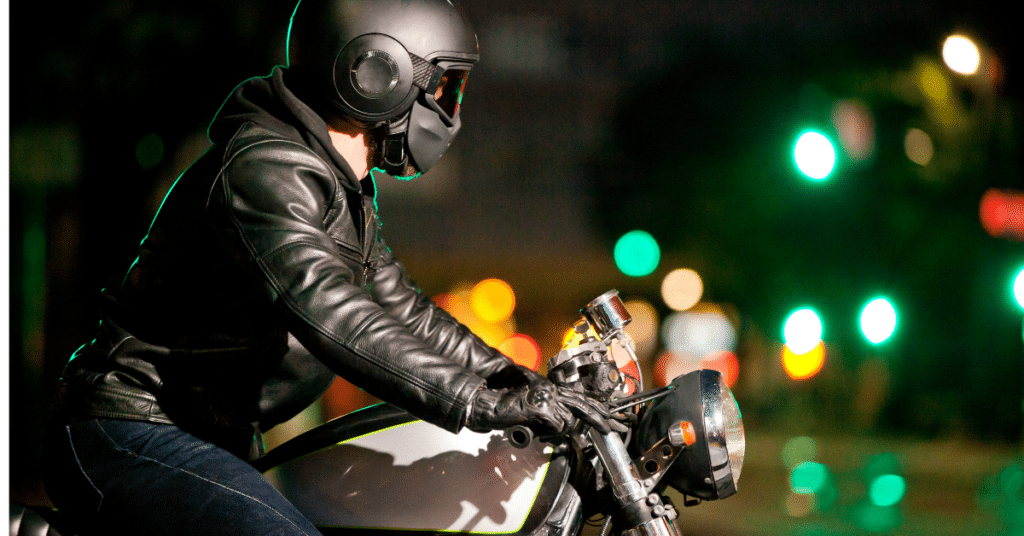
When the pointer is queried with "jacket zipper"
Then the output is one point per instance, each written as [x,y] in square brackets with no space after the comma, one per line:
[367,244]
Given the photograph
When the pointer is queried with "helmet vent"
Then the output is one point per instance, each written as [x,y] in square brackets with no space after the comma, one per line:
[374,74]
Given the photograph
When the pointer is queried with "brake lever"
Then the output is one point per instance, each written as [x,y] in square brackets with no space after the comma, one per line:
[639,398]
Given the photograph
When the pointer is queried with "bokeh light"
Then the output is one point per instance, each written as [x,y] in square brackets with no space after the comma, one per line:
[887,490]
[1002,212]
[671,365]
[856,128]
[815,155]
[523,350]
[698,333]
[681,289]
[878,320]
[637,253]
[798,450]
[874,518]
[1018,287]
[799,504]
[917,145]
[805,365]
[934,84]
[808,477]
[492,300]
[802,330]
[725,362]
[458,303]
[961,54]
[643,329]
[492,334]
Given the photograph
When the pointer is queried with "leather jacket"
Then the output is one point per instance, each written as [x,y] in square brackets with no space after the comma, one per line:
[263,275]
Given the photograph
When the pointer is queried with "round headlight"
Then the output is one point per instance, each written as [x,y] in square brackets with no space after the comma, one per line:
[723,427]
[710,467]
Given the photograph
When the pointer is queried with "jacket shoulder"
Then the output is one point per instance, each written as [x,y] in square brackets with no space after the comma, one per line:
[256,154]
[255,141]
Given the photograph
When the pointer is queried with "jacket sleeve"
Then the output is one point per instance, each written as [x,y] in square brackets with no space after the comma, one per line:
[268,207]
[403,300]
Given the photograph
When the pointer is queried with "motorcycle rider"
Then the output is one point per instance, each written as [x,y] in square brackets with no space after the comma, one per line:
[264,274]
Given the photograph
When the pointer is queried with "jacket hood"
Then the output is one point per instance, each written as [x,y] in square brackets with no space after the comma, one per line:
[268,102]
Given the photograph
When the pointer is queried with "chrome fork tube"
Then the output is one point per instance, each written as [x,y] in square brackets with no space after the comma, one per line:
[626,485]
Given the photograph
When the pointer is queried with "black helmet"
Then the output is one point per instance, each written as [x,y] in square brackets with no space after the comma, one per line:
[397,64]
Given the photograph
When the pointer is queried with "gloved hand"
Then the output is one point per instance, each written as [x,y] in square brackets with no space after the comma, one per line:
[527,398]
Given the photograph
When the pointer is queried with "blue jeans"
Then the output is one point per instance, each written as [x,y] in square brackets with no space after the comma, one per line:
[128,477]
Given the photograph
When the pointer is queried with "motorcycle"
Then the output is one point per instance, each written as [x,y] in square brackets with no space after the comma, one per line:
[379,469]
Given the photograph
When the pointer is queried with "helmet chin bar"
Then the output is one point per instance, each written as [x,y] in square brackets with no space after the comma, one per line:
[429,135]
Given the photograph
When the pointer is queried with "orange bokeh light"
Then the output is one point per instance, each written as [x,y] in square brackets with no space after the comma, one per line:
[522,349]
[803,366]
[492,300]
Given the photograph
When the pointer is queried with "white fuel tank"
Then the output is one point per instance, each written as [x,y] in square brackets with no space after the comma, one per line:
[380,469]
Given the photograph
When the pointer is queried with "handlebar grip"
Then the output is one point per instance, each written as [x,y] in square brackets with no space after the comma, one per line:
[519,436]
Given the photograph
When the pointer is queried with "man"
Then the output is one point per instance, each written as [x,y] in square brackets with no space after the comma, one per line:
[266,247]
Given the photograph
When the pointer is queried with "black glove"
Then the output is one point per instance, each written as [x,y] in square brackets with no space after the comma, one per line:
[531,400]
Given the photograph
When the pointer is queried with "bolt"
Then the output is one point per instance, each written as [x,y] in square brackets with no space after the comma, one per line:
[658,511]
[708,480]
[653,499]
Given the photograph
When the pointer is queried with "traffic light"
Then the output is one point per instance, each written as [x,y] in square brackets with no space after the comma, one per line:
[815,155]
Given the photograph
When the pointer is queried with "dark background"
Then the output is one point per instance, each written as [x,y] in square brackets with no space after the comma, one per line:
[585,120]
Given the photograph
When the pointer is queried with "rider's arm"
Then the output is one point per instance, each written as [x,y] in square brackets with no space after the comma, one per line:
[267,209]
[403,300]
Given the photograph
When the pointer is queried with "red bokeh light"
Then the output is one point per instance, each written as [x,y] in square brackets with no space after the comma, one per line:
[725,362]
[1002,213]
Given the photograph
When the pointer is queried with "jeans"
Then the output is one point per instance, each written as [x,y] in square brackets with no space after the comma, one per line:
[129,477]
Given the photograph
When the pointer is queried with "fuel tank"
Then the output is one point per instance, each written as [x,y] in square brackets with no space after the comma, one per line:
[381,471]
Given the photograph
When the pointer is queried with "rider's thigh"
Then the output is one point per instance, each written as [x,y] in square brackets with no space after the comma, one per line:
[156,479]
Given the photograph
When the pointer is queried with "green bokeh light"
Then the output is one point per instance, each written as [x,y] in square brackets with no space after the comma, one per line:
[878,320]
[798,450]
[815,155]
[149,152]
[637,253]
[808,477]
[887,490]
[875,518]
[802,331]
[1018,288]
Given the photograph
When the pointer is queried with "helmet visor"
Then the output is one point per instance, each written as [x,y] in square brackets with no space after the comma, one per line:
[449,91]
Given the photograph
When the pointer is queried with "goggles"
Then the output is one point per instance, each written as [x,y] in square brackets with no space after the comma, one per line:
[448,94]
[445,81]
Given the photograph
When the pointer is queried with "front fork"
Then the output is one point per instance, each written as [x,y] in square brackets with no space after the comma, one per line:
[642,512]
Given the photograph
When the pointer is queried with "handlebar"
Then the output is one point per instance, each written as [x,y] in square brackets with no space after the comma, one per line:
[519,436]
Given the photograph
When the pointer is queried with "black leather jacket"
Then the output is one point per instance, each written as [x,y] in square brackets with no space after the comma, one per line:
[265,247]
